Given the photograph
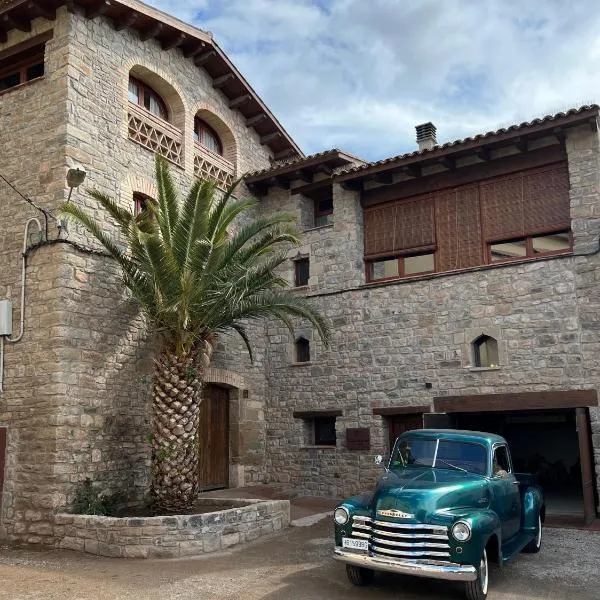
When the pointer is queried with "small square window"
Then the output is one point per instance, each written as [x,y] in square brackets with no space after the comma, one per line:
[302,271]
[421,263]
[508,250]
[324,431]
[323,212]
[383,269]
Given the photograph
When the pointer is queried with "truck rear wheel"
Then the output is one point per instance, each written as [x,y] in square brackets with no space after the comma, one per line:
[477,590]
[535,545]
[359,575]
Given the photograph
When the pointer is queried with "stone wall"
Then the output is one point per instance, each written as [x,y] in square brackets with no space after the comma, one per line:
[33,125]
[403,343]
[175,536]
[77,388]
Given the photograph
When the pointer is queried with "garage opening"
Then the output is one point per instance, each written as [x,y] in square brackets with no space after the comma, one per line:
[549,435]
[544,443]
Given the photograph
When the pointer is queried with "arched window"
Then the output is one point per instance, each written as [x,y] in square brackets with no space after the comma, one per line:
[485,351]
[302,350]
[143,95]
[206,136]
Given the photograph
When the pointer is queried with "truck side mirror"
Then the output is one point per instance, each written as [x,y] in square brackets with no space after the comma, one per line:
[378,460]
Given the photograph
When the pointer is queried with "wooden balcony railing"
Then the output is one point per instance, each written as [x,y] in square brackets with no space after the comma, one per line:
[212,166]
[155,134]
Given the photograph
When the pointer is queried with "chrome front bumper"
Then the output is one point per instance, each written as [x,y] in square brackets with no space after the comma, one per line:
[448,571]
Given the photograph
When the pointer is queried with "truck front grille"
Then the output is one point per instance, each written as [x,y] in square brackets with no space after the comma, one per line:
[403,540]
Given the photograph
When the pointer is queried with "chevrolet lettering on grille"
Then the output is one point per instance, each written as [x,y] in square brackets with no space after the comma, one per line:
[395,514]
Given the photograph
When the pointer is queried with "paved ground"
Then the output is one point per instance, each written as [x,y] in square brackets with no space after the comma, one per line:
[293,565]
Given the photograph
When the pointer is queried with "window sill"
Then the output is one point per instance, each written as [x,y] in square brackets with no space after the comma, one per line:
[476,369]
[318,447]
[308,363]
[21,85]
[330,226]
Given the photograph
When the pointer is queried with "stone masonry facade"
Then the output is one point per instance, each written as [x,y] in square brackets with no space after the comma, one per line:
[390,340]
[76,397]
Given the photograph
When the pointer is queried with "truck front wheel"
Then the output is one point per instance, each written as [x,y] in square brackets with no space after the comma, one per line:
[359,575]
[477,590]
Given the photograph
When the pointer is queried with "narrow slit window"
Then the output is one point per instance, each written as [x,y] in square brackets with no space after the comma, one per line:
[324,431]
[302,272]
[302,350]
[324,212]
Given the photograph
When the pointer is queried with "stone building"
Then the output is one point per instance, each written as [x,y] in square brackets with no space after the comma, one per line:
[459,280]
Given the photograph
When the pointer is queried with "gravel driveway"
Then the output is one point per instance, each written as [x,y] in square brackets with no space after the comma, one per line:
[295,564]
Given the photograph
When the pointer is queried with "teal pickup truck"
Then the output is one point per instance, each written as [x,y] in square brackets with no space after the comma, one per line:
[448,503]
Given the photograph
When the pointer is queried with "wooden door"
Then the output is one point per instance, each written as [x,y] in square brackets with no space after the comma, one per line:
[213,433]
[587,472]
[401,423]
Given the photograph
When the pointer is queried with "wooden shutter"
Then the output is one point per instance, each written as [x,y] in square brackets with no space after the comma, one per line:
[458,222]
[398,227]
[526,203]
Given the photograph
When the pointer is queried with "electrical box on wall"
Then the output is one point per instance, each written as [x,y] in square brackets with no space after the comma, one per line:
[5,317]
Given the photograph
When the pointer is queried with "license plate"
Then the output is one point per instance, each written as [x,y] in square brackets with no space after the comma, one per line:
[353,544]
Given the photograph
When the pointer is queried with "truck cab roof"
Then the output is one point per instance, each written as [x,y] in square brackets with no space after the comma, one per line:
[457,435]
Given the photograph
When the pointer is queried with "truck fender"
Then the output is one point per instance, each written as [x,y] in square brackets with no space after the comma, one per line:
[532,507]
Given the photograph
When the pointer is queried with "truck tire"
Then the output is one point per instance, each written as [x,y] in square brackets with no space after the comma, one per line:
[477,590]
[359,575]
[535,545]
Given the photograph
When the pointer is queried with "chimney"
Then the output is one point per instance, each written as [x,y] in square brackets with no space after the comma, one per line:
[426,136]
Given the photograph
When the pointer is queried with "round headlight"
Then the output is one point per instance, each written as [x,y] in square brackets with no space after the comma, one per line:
[461,531]
[341,515]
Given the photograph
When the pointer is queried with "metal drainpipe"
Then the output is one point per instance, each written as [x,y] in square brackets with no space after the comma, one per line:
[22,317]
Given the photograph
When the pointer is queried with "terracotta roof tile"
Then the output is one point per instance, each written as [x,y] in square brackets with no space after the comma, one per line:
[299,161]
[476,138]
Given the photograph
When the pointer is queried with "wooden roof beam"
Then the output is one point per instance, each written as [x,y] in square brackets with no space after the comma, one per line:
[355,186]
[303,175]
[15,22]
[412,170]
[173,41]
[193,50]
[255,120]
[270,137]
[484,154]
[521,144]
[385,178]
[97,9]
[239,101]
[204,58]
[127,20]
[278,182]
[324,169]
[3,35]
[449,162]
[222,81]
[151,32]
[41,10]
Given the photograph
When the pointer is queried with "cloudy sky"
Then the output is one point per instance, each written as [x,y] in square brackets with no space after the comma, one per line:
[360,74]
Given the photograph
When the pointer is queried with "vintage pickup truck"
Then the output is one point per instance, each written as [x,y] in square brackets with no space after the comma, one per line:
[448,503]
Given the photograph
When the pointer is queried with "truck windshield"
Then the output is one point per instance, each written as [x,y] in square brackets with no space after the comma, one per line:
[447,454]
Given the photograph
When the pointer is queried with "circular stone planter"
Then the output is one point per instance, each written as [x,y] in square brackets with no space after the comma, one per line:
[173,536]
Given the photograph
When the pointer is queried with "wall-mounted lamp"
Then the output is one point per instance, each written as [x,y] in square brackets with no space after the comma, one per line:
[75,177]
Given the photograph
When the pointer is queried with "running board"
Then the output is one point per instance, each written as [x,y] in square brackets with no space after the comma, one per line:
[515,545]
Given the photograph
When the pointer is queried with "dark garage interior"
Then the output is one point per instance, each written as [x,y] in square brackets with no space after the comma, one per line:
[542,442]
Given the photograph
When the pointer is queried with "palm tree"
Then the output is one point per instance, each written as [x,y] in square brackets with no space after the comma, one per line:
[195,277]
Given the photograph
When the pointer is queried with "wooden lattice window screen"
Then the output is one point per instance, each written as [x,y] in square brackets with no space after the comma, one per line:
[212,167]
[526,203]
[458,223]
[161,138]
[400,226]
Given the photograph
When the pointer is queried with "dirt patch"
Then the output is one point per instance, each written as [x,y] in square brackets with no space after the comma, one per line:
[199,508]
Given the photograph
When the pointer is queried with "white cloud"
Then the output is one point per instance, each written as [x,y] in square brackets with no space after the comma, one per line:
[360,75]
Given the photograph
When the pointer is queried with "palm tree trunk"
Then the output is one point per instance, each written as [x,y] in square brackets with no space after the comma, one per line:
[176,402]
